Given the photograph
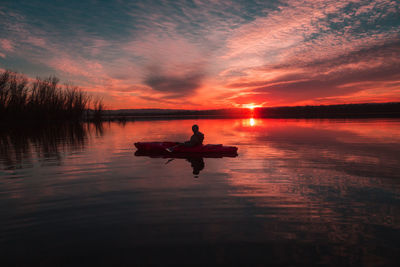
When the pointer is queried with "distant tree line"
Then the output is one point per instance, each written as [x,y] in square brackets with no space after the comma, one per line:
[365,110]
[44,99]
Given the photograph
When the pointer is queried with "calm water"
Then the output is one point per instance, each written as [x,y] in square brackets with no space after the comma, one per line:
[300,191]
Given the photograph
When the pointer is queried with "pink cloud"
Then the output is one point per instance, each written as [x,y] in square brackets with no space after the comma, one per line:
[283,33]
[169,53]
[78,67]
[37,41]
[7,45]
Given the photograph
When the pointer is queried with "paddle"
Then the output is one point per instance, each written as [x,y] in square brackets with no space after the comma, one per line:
[170,149]
[168,161]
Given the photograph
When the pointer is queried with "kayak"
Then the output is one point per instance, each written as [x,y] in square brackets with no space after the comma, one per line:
[161,147]
[183,155]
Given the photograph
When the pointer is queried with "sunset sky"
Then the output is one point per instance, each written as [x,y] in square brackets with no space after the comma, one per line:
[209,54]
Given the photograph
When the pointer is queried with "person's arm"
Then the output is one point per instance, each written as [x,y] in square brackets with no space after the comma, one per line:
[201,138]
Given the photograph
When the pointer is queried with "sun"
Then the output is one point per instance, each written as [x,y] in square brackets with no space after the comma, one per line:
[250,106]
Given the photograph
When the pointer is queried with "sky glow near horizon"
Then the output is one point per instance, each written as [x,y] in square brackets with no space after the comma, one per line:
[209,54]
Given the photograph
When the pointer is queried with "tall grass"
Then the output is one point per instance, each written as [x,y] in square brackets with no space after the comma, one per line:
[43,99]
[98,109]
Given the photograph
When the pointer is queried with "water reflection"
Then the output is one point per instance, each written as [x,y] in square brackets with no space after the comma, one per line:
[249,122]
[196,161]
[300,192]
[21,143]
[197,164]
[329,144]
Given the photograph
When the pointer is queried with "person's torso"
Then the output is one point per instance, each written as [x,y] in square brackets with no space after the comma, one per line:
[197,138]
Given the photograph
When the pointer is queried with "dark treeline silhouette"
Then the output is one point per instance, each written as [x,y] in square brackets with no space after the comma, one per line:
[138,114]
[44,99]
[366,110]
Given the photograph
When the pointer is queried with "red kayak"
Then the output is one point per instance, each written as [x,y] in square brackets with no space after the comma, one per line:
[161,147]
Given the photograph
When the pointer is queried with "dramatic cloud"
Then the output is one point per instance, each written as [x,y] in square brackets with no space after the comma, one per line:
[177,85]
[341,76]
[309,50]
[206,54]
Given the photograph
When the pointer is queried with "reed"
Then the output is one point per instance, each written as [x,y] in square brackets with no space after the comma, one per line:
[44,99]
[98,110]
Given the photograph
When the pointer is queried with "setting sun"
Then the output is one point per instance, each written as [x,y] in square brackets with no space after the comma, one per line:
[250,106]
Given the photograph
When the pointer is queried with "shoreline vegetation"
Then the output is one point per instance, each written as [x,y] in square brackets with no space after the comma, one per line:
[45,100]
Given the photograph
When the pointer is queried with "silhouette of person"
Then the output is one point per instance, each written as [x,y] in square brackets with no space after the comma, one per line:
[196,139]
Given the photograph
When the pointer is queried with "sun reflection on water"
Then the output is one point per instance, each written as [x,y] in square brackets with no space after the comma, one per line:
[251,122]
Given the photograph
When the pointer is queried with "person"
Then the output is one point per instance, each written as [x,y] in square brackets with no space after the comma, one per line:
[196,139]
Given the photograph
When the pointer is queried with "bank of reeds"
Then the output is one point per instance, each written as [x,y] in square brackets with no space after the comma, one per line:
[44,99]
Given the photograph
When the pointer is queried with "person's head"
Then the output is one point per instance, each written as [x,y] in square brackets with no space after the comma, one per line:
[195,128]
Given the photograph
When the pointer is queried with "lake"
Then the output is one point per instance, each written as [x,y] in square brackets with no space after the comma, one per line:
[299,192]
